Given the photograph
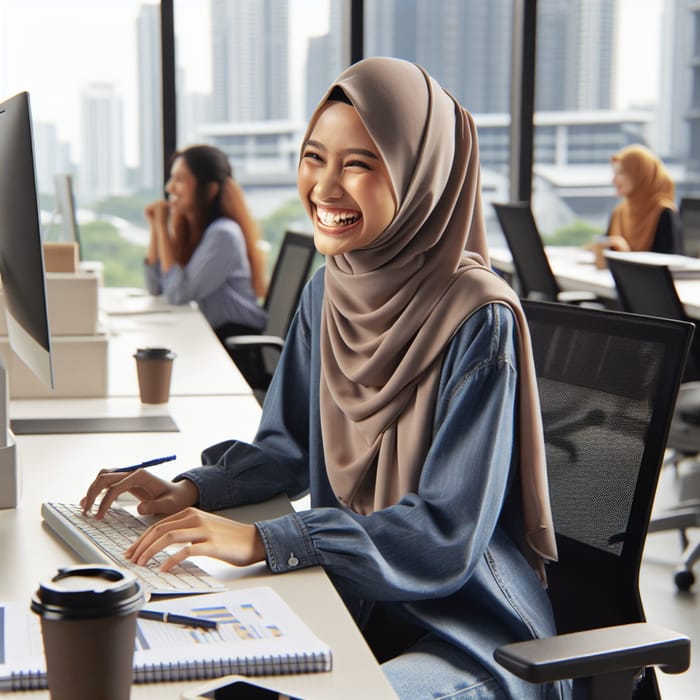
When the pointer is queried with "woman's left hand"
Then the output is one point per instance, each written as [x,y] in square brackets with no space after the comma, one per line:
[199,533]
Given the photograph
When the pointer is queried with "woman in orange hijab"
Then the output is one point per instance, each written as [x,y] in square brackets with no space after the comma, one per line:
[646,218]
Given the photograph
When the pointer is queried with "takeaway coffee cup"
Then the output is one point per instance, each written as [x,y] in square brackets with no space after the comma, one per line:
[88,623]
[154,367]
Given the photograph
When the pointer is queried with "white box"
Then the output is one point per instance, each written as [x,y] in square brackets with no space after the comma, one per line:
[72,301]
[80,369]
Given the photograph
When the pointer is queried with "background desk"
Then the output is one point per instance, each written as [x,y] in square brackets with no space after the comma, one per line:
[60,467]
[574,269]
[133,320]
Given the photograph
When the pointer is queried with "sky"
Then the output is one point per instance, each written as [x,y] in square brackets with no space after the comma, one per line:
[44,57]
[639,49]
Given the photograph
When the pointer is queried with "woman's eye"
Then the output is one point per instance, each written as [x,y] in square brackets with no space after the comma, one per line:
[357,164]
[311,155]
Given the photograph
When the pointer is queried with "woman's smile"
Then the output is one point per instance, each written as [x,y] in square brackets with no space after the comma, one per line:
[336,221]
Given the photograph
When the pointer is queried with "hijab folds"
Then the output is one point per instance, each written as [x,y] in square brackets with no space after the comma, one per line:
[391,309]
[636,217]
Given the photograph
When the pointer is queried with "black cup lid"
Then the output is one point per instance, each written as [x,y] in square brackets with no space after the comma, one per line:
[154,354]
[88,591]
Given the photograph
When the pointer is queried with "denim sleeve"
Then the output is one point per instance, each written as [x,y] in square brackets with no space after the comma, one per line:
[277,461]
[221,250]
[428,544]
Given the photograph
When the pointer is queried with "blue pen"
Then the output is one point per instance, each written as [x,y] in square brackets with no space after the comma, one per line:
[148,463]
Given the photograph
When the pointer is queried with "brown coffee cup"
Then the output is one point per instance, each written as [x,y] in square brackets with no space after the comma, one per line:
[154,367]
[88,622]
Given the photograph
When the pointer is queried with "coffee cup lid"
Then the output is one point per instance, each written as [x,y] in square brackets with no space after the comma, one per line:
[155,354]
[88,591]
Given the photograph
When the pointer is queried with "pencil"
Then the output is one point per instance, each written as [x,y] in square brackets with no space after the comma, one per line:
[177,619]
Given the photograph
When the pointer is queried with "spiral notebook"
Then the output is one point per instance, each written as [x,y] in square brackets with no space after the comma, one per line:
[258,634]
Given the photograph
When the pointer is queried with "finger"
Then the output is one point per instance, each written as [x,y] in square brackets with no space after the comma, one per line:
[103,479]
[116,486]
[167,539]
[136,549]
[177,557]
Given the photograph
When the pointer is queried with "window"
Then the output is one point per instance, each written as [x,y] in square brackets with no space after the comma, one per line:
[608,73]
[466,46]
[92,69]
[248,74]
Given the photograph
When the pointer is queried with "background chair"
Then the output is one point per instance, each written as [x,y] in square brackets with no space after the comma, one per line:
[608,382]
[537,281]
[650,290]
[689,210]
[257,355]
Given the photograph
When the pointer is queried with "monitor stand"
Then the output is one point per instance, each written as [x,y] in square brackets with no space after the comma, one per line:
[9,469]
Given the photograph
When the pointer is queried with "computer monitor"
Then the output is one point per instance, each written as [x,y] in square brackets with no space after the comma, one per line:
[65,207]
[21,250]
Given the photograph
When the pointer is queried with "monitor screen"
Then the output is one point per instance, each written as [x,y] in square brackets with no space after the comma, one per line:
[21,250]
[65,205]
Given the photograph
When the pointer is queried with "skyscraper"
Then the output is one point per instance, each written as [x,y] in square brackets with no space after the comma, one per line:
[324,58]
[102,166]
[150,170]
[466,45]
[250,49]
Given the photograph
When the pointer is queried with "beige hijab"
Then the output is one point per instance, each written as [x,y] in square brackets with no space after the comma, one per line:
[636,217]
[391,310]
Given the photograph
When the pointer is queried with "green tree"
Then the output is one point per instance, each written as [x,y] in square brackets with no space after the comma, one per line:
[122,259]
[577,233]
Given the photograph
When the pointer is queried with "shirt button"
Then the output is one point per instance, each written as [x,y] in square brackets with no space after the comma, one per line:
[292,561]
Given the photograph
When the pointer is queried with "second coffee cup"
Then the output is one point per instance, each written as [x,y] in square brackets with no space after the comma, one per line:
[154,368]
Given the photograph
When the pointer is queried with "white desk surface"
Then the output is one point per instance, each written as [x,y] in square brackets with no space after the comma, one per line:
[134,319]
[575,270]
[59,467]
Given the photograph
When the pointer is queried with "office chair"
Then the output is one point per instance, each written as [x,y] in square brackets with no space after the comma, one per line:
[537,281]
[257,355]
[650,290]
[689,210]
[608,382]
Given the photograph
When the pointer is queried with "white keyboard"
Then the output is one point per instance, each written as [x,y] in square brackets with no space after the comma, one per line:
[104,541]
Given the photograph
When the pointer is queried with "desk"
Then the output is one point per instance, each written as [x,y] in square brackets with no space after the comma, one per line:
[210,402]
[575,270]
[59,467]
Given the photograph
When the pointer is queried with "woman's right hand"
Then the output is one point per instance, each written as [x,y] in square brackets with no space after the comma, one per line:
[157,210]
[157,496]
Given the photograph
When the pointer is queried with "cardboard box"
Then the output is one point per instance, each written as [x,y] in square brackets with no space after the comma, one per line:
[72,301]
[80,369]
[61,257]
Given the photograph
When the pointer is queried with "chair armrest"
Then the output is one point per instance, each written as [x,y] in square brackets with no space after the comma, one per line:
[239,341]
[576,297]
[594,652]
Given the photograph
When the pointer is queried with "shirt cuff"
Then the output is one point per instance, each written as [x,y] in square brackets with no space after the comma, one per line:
[288,544]
[214,493]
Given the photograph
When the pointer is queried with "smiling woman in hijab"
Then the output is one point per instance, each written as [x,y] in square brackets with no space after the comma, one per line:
[647,217]
[405,403]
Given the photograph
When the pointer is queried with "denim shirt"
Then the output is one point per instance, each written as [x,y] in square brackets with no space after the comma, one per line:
[445,555]
[217,277]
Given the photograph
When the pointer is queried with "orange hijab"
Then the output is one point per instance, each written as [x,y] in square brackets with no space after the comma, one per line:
[636,217]
[390,310]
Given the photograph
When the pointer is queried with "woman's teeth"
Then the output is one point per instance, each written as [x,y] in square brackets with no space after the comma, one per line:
[328,218]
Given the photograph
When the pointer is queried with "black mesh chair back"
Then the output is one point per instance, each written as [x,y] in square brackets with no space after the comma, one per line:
[608,382]
[689,210]
[529,257]
[256,356]
[288,278]
[650,290]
